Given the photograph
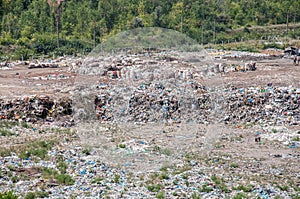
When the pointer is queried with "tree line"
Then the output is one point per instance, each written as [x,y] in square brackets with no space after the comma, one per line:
[68,26]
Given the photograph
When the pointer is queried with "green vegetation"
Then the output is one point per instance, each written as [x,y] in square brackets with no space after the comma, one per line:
[163,176]
[87,150]
[37,148]
[5,127]
[160,195]
[6,132]
[97,180]
[65,179]
[31,149]
[117,178]
[8,195]
[234,165]
[240,196]
[30,195]
[163,151]
[154,188]
[29,28]
[122,146]
[49,173]
[195,196]
[247,188]
[205,189]
[296,139]
[37,194]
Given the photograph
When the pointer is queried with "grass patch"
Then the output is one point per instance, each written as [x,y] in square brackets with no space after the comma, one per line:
[283,188]
[154,188]
[164,176]
[160,195]
[49,173]
[195,196]
[216,180]
[117,178]
[97,180]
[163,151]
[87,150]
[8,124]
[240,196]
[64,179]
[25,125]
[4,152]
[182,170]
[37,194]
[206,189]
[37,148]
[296,139]
[234,165]
[6,132]
[247,188]
[8,195]
[122,146]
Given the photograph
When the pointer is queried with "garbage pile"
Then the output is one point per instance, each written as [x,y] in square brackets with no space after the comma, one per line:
[265,105]
[154,102]
[37,108]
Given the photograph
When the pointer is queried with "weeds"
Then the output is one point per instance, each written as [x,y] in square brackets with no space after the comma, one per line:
[166,152]
[205,189]
[160,195]
[97,180]
[296,139]
[122,146]
[116,178]
[154,188]
[239,196]
[247,188]
[6,132]
[87,150]
[8,195]
[65,179]
[234,165]
[38,149]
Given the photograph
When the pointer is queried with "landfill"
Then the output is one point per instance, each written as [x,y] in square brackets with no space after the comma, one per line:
[152,125]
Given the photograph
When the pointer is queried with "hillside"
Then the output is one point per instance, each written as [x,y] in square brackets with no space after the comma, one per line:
[57,27]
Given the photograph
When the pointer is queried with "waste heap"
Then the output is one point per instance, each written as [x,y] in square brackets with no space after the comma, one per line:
[37,108]
[154,102]
[147,87]
[264,105]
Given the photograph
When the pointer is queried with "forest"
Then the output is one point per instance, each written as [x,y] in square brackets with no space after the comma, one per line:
[44,27]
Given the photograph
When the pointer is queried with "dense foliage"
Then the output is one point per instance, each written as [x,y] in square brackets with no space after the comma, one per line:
[41,26]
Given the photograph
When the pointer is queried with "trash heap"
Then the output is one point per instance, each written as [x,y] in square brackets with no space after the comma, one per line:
[37,108]
[264,105]
[154,102]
